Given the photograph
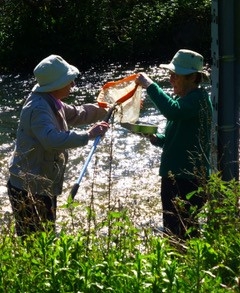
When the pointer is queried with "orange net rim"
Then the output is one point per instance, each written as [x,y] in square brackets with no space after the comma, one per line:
[124,98]
[114,83]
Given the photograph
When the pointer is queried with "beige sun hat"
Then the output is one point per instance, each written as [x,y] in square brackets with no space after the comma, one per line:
[186,62]
[53,73]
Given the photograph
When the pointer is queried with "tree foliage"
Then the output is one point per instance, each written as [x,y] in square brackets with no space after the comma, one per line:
[88,31]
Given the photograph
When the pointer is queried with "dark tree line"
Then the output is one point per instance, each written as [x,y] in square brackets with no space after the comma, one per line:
[99,31]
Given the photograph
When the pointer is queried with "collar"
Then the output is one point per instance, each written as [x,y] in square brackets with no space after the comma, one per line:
[57,102]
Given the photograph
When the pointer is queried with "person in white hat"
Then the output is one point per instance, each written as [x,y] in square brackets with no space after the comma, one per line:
[40,156]
[185,142]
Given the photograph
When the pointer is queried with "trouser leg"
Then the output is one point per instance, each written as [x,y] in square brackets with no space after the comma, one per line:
[179,216]
[170,218]
[32,213]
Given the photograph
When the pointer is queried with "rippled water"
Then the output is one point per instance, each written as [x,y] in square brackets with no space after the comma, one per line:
[123,172]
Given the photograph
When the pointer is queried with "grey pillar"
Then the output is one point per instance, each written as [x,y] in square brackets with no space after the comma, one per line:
[228,88]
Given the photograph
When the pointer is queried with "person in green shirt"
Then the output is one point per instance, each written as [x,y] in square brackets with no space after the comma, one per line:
[186,140]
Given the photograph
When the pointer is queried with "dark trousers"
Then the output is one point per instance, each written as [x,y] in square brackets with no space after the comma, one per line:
[32,212]
[179,213]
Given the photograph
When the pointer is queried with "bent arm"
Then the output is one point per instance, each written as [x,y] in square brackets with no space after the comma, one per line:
[85,114]
[45,129]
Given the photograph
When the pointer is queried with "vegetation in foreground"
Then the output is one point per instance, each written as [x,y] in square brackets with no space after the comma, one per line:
[126,259]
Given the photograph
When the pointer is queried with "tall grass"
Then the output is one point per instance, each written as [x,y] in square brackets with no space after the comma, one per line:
[127,259]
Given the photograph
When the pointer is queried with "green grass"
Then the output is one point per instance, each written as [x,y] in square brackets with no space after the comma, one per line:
[126,259]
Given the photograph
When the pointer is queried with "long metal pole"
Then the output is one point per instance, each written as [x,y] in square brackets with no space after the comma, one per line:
[84,169]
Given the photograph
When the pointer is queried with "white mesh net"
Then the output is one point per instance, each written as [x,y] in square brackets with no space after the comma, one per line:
[126,94]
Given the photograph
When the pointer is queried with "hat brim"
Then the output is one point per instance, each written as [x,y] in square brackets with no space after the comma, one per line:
[71,74]
[184,71]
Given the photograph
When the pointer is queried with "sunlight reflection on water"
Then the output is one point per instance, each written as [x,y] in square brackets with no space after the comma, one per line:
[124,176]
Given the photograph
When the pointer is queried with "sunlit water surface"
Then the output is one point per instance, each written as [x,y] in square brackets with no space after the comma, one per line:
[123,172]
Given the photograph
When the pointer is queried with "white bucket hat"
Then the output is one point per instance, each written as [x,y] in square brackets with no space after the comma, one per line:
[53,73]
[186,62]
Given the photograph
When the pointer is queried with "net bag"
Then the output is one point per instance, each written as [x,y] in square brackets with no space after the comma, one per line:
[126,94]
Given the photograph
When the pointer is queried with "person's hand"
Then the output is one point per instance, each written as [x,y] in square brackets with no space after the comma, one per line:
[98,129]
[153,139]
[143,80]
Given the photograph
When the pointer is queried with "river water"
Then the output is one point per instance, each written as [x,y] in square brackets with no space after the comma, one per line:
[123,172]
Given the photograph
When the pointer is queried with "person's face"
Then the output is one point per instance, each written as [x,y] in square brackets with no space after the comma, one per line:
[67,89]
[182,84]
[63,92]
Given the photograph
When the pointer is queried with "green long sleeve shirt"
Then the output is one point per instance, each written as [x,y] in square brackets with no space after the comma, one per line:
[187,138]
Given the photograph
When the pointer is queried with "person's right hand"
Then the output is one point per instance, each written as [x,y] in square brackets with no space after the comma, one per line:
[144,80]
[98,129]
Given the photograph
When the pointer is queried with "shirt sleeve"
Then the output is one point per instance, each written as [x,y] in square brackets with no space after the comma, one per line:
[85,114]
[175,109]
[45,130]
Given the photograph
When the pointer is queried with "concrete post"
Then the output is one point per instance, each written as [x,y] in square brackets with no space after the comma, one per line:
[228,86]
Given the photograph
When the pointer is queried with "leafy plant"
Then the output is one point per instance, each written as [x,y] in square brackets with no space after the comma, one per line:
[129,259]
